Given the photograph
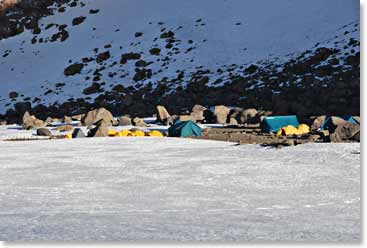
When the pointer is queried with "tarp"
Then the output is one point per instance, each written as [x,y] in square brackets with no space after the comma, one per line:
[328,121]
[184,129]
[274,123]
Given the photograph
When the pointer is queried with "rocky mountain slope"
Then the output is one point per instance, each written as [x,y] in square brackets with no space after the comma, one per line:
[65,57]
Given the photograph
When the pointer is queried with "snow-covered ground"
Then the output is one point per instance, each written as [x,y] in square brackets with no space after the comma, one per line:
[178,189]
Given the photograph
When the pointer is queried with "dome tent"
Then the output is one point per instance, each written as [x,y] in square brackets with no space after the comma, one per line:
[184,129]
[274,123]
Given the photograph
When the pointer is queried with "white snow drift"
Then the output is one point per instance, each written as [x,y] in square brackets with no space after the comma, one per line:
[178,189]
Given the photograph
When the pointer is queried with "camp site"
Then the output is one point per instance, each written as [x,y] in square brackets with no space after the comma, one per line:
[165,168]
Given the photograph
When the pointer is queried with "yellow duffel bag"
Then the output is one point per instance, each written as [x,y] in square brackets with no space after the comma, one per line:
[288,130]
[112,133]
[138,133]
[125,133]
[68,136]
[155,133]
[303,128]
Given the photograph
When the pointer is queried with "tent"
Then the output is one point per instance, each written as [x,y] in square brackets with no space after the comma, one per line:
[274,123]
[155,133]
[78,133]
[291,130]
[328,123]
[184,129]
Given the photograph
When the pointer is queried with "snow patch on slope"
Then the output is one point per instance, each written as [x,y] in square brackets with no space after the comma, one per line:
[223,33]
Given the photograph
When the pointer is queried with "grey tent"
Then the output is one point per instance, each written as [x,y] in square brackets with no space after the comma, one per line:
[78,133]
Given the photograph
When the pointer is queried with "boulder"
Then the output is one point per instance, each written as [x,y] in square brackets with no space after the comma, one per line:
[197,114]
[221,113]
[318,122]
[345,132]
[67,119]
[49,120]
[30,121]
[184,118]
[163,115]
[313,137]
[77,117]
[97,115]
[249,116]
[139,122]
[65,128]
[209,116]
[233,121]
[43,132]
[124,121]
[100,130]
[236,114]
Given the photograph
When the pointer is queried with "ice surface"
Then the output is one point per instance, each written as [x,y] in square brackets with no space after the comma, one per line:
[177,189]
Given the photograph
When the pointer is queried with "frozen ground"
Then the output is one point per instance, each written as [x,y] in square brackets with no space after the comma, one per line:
[177,189]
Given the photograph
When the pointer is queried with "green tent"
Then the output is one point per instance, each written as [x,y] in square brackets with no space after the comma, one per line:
[184,129]
[274,123]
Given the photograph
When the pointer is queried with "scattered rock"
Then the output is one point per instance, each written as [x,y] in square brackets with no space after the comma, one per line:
[67,119]
[93,11]
[345,132]
[124,121]
[249,116]
[77,117]
[94,116]
[167,35]
[50,120]
[233,121]
[318,122]
[13,95]
[221,112]
[101,130]
[155,51]
[103,56]
[73,69]
[197,114]
[139,122]
[94,88]
[129,56]
[163,115]
[44,132]
[30,121]
[78,20]
[138,34]
[314,137]
[184,117]
[65,128]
